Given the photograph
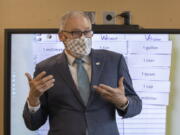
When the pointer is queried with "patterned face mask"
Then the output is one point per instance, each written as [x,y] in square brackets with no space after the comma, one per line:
[79,47]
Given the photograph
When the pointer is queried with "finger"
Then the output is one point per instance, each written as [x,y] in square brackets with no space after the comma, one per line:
[45,79]
[121,85]
[28,76]
[46,84]
[41,89]
[40,75]
[49,86]
[98,89]
[101,91]
[102,88]
[106,87]
[113,91]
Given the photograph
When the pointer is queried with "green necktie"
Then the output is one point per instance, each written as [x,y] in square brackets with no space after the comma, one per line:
[83,81]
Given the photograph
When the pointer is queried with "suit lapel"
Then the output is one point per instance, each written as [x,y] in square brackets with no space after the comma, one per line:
[97,67]
[63,69]
[97,63]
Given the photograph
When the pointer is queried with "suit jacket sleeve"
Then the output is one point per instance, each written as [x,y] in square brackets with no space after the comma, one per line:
[35,120]
[135,103]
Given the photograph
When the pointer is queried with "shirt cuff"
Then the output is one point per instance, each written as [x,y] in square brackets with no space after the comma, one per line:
[33,109]
[124,107]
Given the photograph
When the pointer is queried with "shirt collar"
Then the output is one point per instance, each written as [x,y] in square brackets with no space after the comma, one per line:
[71,59]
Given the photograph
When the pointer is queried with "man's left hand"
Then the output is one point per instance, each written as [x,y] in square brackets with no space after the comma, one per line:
[114,95]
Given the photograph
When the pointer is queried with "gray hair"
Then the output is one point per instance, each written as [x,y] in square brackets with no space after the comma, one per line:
[70,14]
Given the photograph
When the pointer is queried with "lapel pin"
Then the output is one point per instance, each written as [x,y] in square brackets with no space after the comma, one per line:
[97,63]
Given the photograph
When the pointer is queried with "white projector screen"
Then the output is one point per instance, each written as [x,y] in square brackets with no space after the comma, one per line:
[148,57]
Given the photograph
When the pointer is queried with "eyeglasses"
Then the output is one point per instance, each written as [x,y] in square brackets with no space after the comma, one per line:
[78,34]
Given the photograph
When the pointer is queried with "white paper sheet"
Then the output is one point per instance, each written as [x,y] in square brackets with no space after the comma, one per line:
[149,60]
[151,86]
[149,47]
[148,73]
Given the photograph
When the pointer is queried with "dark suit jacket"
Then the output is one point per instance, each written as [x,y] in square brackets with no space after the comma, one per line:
[64,106]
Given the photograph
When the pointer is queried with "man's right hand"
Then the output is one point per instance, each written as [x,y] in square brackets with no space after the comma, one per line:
[38,86]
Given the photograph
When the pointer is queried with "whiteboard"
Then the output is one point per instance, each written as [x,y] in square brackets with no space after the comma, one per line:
[148,57]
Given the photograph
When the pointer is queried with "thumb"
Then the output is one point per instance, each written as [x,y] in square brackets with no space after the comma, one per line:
[28,76]
[121,85]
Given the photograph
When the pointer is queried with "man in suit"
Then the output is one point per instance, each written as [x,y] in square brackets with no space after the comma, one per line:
[81,88]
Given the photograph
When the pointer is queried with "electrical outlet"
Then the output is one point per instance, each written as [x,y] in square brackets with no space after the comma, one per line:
[109,17]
